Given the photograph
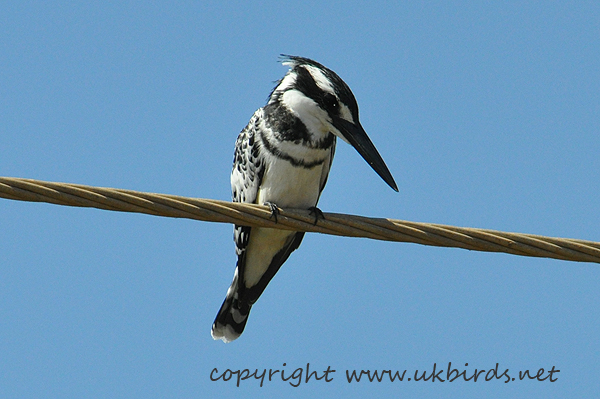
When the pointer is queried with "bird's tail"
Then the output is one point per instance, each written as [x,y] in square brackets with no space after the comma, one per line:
[231,319]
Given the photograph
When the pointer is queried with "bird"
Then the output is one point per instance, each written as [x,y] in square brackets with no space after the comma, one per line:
[282,159]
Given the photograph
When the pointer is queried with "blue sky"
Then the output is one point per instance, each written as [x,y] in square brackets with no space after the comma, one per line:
[486,114]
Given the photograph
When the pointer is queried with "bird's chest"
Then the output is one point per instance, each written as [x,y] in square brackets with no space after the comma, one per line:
[290,186]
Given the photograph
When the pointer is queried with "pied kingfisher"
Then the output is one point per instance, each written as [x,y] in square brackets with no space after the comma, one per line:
[282,158]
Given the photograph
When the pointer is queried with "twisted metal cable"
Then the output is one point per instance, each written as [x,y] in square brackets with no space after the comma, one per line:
[299,220]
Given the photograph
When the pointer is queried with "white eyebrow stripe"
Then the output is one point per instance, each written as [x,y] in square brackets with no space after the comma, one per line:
[320,79]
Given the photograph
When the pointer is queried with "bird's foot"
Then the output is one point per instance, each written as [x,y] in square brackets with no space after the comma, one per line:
[274,210]
[317,212]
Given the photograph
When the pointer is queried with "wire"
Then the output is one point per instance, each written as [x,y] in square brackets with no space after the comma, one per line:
[299,220]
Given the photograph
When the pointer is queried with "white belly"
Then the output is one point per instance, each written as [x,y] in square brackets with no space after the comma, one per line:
[289,186]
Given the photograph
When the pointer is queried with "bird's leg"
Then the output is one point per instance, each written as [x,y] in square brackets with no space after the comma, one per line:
[317,212]
[274,209]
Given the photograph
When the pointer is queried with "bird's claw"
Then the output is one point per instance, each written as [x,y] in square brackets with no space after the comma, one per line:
[274,210]
[313,210]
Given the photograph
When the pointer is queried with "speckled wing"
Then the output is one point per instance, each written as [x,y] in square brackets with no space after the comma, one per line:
[246,176]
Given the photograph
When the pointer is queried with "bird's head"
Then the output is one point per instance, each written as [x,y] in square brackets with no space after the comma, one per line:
[324,103]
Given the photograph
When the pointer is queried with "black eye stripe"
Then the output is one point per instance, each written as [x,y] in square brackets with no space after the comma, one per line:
[306,84]
[330,103]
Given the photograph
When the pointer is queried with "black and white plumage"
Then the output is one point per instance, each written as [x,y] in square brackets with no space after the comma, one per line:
[282,158]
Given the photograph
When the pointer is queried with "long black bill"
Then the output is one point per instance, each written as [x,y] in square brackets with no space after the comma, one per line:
[357,136]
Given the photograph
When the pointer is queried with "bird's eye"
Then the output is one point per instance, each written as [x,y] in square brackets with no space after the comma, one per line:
[331,103]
